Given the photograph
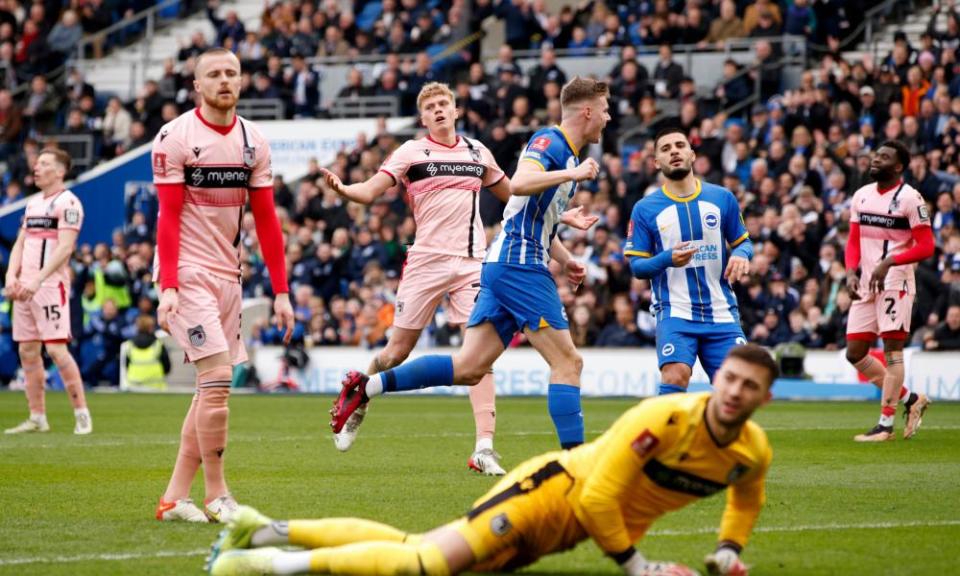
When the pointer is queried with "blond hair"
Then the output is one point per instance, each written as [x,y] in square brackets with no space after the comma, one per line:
[431,89]
[580,89]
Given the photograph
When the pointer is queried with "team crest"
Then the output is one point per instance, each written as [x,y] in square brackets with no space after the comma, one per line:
[500,525]
[160,164]
[249,156]
[667,350]
[711,221]
[197,336]
[475,154]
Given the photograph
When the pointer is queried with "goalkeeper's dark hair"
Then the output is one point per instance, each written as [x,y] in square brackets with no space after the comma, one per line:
[903,153]
[758,356]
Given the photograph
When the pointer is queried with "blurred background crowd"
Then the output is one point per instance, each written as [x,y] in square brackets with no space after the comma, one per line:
[793,157]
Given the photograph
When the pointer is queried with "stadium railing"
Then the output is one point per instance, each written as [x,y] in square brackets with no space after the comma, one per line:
[261,108]
[365,107]
[147,21]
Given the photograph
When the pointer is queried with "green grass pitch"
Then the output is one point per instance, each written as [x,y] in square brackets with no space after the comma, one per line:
[84,505]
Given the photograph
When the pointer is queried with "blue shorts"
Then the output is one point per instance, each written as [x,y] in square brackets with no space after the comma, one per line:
[516,297]
[682,341]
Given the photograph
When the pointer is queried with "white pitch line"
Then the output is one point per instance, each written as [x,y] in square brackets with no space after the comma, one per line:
[654,533]
[814,527]
[103,557]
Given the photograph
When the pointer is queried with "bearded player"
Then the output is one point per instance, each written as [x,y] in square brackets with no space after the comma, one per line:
[206,164]
[889,232]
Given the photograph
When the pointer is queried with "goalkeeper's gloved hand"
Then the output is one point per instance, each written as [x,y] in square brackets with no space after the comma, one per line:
[725,562]
[634,564]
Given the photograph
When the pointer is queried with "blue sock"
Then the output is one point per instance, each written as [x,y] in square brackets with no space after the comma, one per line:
[563,402]
[670,389]
[424,372]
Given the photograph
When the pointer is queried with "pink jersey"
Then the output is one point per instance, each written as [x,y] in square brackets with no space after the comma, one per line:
[443,185]
[886,222]
[217,169]
[44,218]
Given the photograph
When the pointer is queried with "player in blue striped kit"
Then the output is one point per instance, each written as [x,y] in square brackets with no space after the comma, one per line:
[678,237]
[517,291]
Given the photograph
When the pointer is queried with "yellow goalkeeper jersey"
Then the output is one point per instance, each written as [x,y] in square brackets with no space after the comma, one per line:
[660,456]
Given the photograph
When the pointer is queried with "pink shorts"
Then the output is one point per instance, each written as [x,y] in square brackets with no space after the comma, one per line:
[887,314]
[208,319]
[45,318]
[426,278]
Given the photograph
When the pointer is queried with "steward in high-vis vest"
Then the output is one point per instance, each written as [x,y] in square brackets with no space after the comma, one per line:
[147,361]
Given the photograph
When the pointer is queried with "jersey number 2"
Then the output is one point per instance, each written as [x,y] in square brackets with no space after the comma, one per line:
[890,311]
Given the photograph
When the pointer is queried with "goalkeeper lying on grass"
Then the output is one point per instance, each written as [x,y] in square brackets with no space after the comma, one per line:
[661,455]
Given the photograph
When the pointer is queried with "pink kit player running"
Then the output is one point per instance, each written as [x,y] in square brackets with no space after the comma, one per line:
[889,232]
[442,174]
[38,282]
[206,163]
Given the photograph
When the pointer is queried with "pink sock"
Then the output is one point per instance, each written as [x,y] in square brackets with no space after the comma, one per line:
[188,457]
[212,417]
[72,382]
[483,400]
[35,379]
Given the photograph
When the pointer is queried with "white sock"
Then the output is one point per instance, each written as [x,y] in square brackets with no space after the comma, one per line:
[887,421]
[38,417]
[83,411]
[273,534]
[292,563]
[374,386]
[484,444]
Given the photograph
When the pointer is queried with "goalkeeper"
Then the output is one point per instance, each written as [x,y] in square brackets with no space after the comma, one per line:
[661,455]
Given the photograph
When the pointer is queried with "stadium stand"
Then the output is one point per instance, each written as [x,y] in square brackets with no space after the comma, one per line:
[787,124]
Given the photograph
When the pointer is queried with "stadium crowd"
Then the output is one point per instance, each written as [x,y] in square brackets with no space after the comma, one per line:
[794,159]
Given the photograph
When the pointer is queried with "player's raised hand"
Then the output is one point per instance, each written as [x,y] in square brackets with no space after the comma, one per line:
[853,284]
[682,254]
[576,272]
[587,170]
[579,218]
[737,269]
[283,312]
[169,304]
[332,180]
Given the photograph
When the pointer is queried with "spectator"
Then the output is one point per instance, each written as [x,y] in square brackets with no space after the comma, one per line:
[667,74]
[623,331]
[147,361]
[65,37]
[947,334]
[11,124]
[106,331]
[727,26]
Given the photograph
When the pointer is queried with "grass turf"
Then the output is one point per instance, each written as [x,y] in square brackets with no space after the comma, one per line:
[84,505]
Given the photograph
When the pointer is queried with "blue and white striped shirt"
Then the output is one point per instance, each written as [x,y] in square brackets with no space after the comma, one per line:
[530,222]
[709,219]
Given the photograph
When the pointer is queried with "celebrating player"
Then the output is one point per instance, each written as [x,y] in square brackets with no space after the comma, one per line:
[205,163]
[889,232]
[38,281]
[442,174]
[659,456]
[517,291]
[678,237]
